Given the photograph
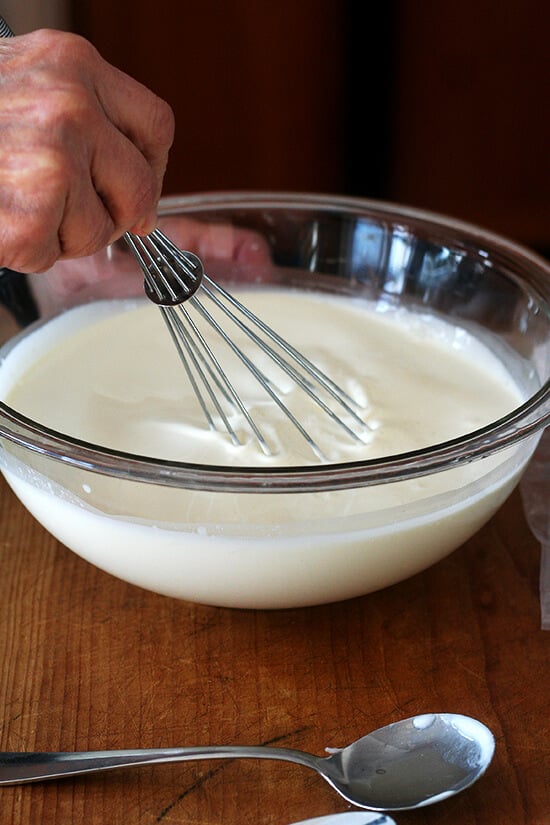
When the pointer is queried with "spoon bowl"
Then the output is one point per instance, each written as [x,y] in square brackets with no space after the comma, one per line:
[404,765]
[412,763]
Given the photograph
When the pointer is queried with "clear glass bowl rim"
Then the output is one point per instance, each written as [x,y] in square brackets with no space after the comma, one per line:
[523,422]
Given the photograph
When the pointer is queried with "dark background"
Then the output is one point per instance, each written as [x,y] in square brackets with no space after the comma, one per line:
[437,105]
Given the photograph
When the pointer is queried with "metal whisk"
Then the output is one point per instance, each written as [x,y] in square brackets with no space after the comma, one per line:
[172,278]
[175,280]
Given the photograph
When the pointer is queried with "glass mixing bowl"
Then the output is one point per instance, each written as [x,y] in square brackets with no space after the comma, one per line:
[330,533]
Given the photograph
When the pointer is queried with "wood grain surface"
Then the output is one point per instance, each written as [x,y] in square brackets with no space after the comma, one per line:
[89,662]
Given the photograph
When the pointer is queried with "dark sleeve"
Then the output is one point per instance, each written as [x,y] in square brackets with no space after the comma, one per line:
[16,295]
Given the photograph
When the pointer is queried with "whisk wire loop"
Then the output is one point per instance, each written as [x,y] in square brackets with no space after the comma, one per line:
[310,369]
[187,356]
[172,278]
[218,374]
[262,380]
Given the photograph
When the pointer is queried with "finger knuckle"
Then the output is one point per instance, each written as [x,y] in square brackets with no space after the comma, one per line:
[42,178]
[59,94]
[64,112]
[66,49]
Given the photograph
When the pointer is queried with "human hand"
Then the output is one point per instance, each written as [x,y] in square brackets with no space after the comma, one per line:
[83,151]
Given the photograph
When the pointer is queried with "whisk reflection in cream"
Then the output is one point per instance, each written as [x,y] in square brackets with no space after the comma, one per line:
[175,280]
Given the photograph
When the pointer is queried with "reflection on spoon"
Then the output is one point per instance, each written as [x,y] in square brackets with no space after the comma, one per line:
[406,764]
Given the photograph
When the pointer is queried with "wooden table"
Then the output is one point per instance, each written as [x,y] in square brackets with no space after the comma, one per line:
[90,662]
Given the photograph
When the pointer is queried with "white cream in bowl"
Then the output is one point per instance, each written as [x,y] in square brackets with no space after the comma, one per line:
[108,373]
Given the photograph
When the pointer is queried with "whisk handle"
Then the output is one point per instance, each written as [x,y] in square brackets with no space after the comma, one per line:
[5,30]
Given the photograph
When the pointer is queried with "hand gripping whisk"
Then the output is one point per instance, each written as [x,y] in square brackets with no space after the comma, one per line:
[175,280]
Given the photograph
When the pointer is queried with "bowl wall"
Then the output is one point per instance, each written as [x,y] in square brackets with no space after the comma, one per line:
[325,547]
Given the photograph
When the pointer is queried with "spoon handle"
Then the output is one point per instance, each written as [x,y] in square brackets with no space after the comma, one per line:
[19,767]
[350,818]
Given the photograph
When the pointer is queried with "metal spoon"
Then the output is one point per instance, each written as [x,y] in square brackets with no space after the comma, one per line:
[351,818]
[403,765]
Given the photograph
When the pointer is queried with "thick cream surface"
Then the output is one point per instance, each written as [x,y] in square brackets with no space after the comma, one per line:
[110,374]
